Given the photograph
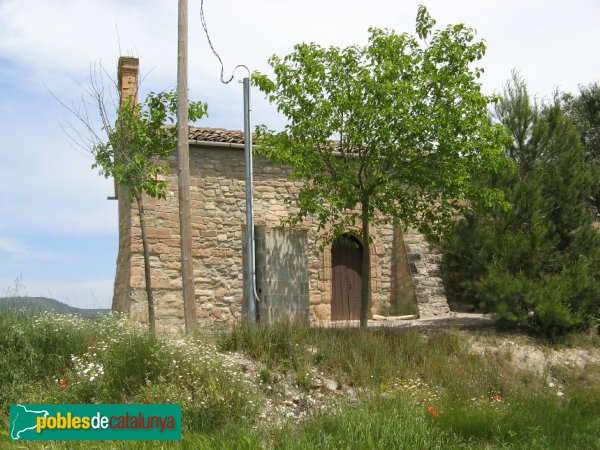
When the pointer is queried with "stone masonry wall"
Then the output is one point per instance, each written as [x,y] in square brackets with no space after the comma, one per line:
[128,71]
[403,298]
[121,298]
[424,264]
[218,217]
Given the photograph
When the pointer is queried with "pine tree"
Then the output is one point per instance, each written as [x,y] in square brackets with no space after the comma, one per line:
[535,264]
[584,110]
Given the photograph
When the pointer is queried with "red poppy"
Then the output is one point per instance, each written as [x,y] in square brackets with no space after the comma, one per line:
[63,382]
[433,411]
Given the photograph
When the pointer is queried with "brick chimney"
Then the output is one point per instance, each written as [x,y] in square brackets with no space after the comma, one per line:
[128,75]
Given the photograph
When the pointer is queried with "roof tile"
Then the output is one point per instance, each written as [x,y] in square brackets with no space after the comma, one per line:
[216,135]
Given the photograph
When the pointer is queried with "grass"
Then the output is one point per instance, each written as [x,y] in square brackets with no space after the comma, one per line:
[365,358]
[582,340]
[417,390]
[68,359]
[481,402]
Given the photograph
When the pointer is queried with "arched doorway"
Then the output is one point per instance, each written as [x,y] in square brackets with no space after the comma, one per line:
[346,261]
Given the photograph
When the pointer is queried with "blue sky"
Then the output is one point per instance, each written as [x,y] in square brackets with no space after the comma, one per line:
[58,233]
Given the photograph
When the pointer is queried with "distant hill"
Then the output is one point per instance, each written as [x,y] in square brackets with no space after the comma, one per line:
[42,304]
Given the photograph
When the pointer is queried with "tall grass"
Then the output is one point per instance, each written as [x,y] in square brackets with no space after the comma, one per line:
[368,358]
[528,422]
[418,390]
[479,402]
[38,347]
[66,359]
[376,424]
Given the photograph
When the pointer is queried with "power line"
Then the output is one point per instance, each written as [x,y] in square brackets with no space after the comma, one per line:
[203,20]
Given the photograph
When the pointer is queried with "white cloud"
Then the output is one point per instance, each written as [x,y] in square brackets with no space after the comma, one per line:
[16,250]
[12,248]
[68,34]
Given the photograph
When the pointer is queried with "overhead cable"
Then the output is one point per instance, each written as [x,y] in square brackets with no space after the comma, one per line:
[204,26]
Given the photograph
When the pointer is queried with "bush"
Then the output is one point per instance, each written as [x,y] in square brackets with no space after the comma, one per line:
[546,306]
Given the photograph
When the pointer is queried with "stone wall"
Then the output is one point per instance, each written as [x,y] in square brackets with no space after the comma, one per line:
[403,298]
[424,265]
[121,299]
[218,217]
[127,75]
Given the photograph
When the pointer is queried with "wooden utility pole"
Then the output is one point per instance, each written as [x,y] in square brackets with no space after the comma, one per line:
[183,163]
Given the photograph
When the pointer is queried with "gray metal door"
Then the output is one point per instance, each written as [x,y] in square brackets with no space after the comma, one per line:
[281,273]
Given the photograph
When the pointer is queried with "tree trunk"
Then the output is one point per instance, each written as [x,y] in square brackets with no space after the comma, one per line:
[151,320]
[366,265]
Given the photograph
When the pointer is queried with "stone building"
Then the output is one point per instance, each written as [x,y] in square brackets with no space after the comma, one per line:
[323,283]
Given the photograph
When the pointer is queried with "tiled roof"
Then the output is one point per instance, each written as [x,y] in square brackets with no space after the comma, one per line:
[207,134]
[216,135]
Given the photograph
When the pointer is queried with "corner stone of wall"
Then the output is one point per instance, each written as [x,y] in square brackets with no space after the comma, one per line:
[122,287]
[424,263]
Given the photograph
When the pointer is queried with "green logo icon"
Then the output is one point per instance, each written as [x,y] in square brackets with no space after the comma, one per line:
[23,420]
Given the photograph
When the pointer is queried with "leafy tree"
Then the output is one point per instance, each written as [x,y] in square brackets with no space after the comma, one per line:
[409,125]
[537,263]
[130,142]
[136,152]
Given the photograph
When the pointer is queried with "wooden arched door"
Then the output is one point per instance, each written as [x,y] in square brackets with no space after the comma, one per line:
[346,261]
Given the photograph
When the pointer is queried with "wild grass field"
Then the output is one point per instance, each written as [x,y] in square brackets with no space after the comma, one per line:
[292,387]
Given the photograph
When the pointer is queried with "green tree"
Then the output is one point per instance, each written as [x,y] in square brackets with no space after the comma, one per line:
[394,130]
[584,110]
[520,115]
[136,153]
[537,263]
